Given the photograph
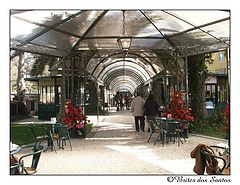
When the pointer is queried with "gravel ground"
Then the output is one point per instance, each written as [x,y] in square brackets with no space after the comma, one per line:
[115,148]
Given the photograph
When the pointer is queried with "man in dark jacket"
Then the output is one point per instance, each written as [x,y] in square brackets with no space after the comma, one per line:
[151,108]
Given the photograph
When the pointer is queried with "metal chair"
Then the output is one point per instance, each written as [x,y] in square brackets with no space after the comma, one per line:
[16,169]
[62,135]
[173,131]
[157,127]
[214,157]
[46,134]
[36,153]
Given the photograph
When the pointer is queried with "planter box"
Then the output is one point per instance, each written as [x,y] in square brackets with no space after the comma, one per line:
[184,134]
[77,133]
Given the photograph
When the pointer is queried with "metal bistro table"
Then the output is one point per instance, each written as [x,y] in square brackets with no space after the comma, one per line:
[14,148]
[46,133]
[169,127]
[15,166]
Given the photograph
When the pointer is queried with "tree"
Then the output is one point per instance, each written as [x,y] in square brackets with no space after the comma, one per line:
[197,75]
[42,64]
[20,78]
[20,68]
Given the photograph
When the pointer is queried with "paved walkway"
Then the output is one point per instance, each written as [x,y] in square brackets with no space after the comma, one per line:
[115,148]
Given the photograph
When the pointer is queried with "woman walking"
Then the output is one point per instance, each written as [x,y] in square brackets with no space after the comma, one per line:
[151,108]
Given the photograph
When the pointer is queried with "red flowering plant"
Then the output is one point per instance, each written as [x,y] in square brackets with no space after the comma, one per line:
[74,117]
[177,110]
[227,117]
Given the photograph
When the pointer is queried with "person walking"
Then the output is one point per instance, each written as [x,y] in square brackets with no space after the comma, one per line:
[151,108]
[137,111]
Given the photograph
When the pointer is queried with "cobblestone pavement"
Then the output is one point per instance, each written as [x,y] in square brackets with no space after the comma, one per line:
[115,148]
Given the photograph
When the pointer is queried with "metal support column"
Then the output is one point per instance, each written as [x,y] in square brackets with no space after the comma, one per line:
[165,82]
[84,86]
[186,89]
[72,81]
[186,81]
[228,74]
[63,90]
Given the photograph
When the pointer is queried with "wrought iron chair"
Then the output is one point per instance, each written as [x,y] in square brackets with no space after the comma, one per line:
[221,157]
[42,136]
[61,135]
[46,134]
[173,131]
[157,127]
[36,153]
[16,169]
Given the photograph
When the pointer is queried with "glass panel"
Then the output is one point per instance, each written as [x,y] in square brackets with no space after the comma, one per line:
[52,95]
[200,17]
[124,79]
[32,48]
[56,40]
[98,44]
[40,94]
[166,23]
[44,95]
[80,23]
[137,25]
[192,38]
[22,31]
[135,68]
[150,44]
[110,24]
[45,17]
[220,30]
[128,61]
[48,94]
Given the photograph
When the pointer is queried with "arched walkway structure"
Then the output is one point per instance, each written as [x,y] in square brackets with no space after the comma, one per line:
[87,41]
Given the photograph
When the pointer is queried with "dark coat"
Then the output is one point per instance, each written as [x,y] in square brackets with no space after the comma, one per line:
[151,108]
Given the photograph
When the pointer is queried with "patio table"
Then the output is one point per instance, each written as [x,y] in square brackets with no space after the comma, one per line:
[163,124]
[46,133]
[14,148]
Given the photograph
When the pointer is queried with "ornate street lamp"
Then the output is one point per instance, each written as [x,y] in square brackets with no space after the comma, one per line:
[124,41]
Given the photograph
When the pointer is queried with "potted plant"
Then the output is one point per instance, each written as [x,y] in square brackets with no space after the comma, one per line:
[75,119]
[178,111]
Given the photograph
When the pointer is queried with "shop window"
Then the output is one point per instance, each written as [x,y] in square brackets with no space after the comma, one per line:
[32,105]
[220,57]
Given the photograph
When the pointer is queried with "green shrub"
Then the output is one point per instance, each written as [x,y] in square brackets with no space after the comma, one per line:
[22,134]
[210,126]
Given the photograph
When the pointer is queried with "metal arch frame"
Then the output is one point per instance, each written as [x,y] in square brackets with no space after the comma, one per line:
[125,65]
[53,27]
[126,87]
[118,53]
[118,88]
[127,81]
[120,84]
[128,69]
[119,73]
[130,61]
[127,78]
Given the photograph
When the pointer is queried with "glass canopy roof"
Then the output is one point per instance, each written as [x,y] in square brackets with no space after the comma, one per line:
[62,32]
